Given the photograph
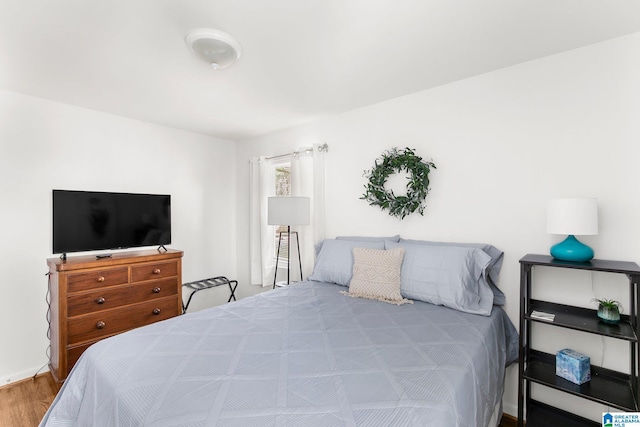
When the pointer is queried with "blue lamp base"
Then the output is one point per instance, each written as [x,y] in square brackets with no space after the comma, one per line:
[570,249]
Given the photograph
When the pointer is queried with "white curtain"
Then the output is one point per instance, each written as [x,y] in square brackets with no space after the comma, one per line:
[261,234]
[307,179]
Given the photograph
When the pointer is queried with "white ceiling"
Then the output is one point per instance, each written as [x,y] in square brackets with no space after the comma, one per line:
[303,59]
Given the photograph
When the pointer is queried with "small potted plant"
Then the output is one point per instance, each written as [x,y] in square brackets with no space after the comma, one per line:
[609,310]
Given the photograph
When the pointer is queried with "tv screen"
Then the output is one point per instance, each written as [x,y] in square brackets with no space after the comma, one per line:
[89,220]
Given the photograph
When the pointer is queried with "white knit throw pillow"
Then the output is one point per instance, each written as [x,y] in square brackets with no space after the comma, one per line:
[376,275]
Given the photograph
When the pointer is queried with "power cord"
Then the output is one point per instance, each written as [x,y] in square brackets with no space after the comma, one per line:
[48,317]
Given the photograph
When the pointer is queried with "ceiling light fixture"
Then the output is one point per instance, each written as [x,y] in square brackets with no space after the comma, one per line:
[216,47]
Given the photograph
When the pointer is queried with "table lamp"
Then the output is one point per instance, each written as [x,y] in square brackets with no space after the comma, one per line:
[571,217]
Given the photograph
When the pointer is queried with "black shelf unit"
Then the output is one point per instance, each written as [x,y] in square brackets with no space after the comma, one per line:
[612,388]
[543,415]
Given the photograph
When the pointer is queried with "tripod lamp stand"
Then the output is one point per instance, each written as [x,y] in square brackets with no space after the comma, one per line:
[288,211]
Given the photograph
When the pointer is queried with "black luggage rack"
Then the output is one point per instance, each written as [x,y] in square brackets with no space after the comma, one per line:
[212,282]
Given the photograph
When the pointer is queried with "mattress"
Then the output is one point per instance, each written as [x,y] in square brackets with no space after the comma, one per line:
[302,355]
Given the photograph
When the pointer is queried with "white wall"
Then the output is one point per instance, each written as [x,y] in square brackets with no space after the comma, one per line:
[504,143]
[46,145]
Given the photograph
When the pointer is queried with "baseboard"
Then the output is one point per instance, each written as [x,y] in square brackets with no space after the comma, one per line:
[510,409]
[20,376]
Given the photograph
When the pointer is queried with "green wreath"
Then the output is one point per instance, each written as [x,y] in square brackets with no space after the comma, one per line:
[393,161]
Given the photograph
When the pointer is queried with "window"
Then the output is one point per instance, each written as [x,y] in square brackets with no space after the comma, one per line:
[283,188]
[283,179]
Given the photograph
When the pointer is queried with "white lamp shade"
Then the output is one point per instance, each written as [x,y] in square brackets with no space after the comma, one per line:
[572,216]
[288,211]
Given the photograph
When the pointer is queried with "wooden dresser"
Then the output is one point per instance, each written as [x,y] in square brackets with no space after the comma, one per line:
[92,299]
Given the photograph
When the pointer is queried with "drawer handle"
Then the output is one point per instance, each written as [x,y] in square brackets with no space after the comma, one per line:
[156,290]
[156,271]
[100,279]
[100,325]
[156,311]
[100,300]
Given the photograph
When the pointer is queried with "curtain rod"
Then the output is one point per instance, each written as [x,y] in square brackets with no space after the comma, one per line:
[322,148]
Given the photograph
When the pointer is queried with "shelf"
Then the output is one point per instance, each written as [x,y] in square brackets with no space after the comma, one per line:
[608,387]
[595,264]
[582,319]
[541,415]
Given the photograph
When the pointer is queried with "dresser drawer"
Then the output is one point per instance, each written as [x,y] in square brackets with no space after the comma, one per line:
[97,300]
[109,322]
[143,272]
[156,289]
[154,311]
[97,279]
[74,353]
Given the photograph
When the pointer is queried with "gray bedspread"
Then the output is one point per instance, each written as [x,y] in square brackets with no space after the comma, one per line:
[303,355]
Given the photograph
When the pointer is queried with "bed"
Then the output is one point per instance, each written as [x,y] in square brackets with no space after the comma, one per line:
[302,355]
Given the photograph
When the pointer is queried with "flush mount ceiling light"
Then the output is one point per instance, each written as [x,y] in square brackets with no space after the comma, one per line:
[214,46]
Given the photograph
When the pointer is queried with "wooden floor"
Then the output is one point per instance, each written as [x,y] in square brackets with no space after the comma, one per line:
[508,421]
[23,403]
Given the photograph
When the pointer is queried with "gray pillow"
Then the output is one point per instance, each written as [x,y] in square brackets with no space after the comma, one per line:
[493,270]
[335,260]
[452,276]
[395,238]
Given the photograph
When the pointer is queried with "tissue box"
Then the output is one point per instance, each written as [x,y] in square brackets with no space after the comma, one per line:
[573,366]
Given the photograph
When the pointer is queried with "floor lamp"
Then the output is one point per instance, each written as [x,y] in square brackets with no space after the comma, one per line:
[288,211]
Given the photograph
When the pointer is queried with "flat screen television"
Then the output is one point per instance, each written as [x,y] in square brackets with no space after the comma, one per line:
[91,220]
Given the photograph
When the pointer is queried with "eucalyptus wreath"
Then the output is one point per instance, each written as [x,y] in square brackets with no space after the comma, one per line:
[394,161]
